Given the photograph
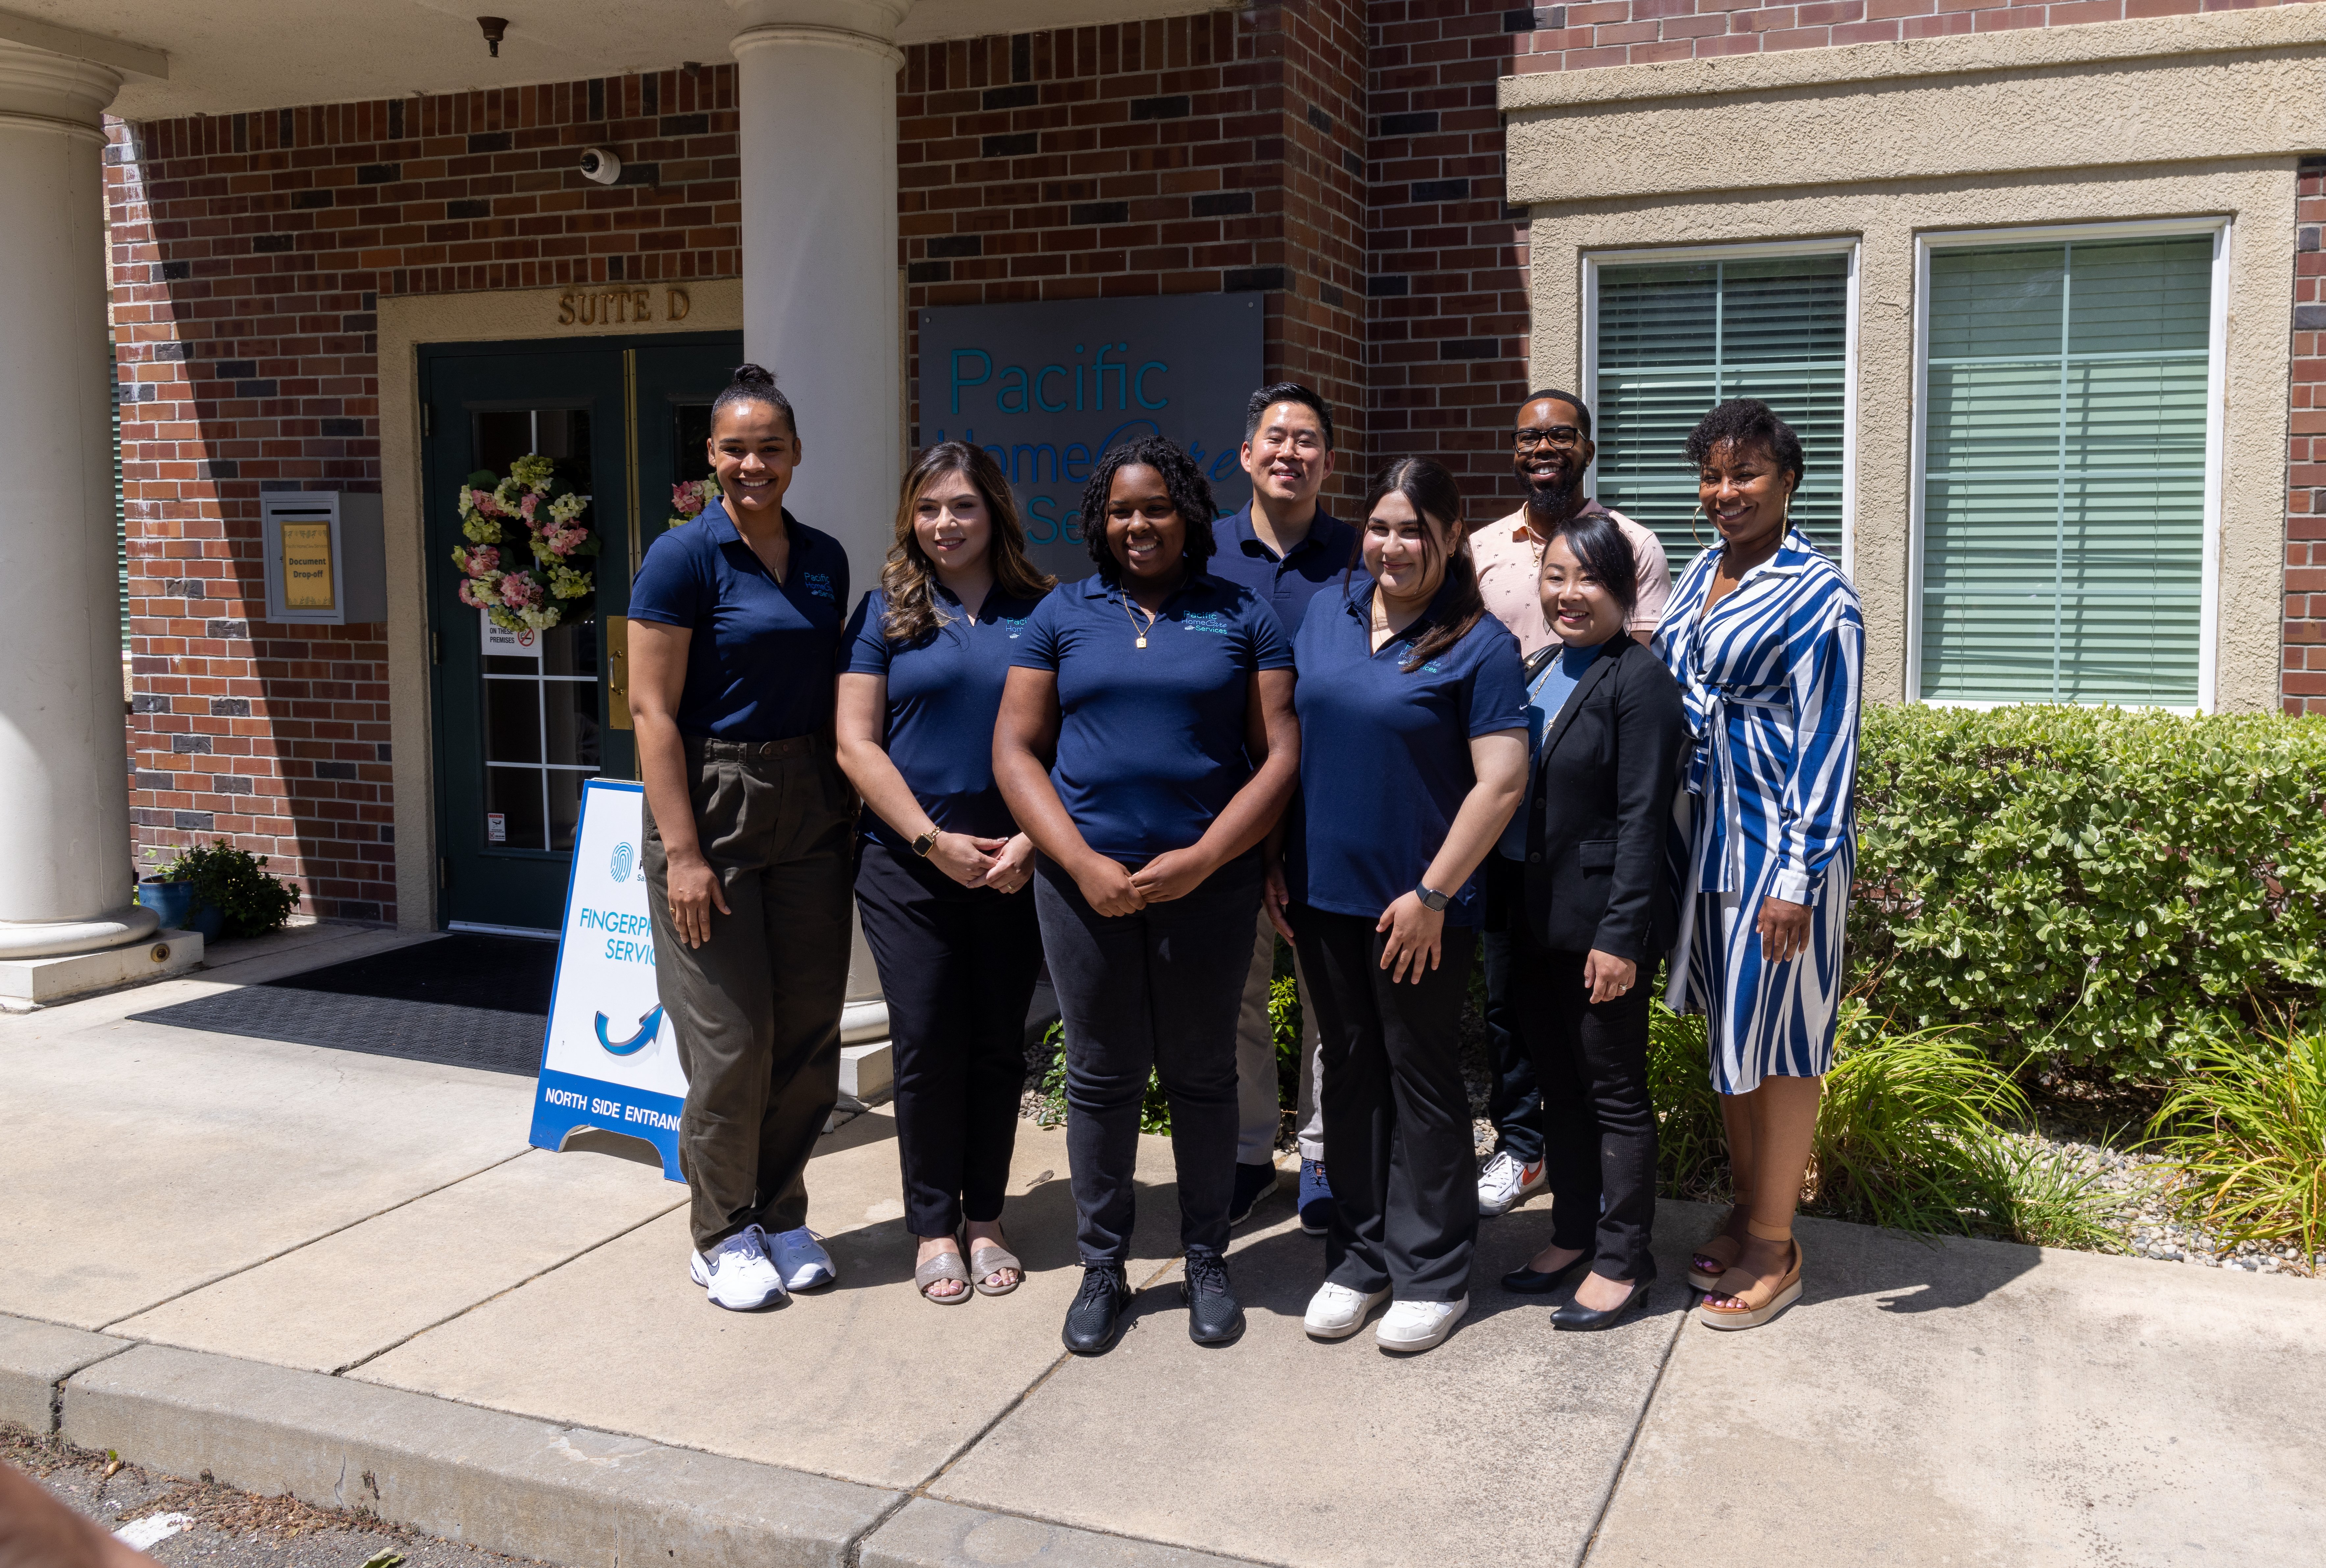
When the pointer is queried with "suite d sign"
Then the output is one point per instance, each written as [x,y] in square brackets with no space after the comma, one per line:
[1046,387]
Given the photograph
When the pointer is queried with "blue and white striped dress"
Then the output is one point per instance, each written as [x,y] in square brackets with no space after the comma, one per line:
[1771,679]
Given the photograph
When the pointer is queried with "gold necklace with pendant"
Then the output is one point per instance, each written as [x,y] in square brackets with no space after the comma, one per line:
[1134,619]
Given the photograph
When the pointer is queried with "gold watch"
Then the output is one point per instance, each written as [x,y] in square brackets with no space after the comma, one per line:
[925,842]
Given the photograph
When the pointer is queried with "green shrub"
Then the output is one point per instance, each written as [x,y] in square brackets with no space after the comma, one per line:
[236,882]
[2246,1129]
[2099,889]
[1691,1143]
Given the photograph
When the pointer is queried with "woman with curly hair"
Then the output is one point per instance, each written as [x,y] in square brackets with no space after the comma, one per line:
[1147,744]
[940,862]
[1765,637]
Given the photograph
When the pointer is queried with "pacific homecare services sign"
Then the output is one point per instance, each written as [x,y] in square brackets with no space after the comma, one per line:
[1048,387]
[609,1058]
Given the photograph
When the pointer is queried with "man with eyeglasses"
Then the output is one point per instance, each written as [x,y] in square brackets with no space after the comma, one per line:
[1551,449]
[1285,548]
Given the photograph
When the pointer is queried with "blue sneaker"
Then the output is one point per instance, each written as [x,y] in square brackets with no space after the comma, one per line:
[801,1260]
[737,1272]
[1316,1198]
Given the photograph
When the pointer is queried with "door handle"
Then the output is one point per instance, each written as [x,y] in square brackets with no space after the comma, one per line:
[617,672]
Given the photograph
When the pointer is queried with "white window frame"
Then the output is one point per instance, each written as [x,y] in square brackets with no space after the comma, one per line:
[1836,245]
[2216,402]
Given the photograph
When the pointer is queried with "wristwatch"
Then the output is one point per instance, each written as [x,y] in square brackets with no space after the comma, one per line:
[925,842]
[1431,899]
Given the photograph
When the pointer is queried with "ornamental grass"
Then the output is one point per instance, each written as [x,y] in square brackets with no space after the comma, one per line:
[2245,1132]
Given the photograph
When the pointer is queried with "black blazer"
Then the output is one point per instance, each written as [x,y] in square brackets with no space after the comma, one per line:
[1597,876]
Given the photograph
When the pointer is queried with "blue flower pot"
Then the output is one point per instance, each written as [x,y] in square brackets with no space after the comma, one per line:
[209,920]
[173,901]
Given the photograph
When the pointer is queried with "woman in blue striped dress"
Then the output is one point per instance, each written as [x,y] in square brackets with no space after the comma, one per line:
[1765,635]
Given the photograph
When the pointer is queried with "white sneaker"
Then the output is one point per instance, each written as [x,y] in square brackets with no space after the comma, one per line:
[1505,1183]
[1336,1312]
[801,1260]
[1417,1326]
[738,1274]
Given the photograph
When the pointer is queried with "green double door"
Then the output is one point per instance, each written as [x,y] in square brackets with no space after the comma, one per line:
[523,722]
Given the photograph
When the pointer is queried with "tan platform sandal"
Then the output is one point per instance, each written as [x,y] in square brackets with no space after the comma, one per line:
[1760,1303]
[1720,1249]
[943,1266]
[989,1259]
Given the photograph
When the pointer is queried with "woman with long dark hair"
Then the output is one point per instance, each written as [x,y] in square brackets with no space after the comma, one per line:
[1766,639]
[941,864]
[1597,914]
[735,629]
[1413,757]
[1147,745]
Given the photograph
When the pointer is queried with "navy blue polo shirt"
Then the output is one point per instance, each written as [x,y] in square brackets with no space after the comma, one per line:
[1150,740]
[1285,583]
[763,654]
[945,698]
[1385,755]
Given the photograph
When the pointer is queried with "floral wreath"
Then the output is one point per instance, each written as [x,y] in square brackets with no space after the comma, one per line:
[688,500]
[497,578]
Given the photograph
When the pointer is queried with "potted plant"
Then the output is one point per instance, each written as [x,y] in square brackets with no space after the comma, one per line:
[230,890]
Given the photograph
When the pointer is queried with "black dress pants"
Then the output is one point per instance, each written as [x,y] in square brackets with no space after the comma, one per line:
[1397,1115]
[957,966]
[757,1007]
[1159,990]
[1599,1129]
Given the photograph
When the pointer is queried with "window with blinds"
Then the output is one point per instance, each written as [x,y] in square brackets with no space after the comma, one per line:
[1676,338]
[2064,489]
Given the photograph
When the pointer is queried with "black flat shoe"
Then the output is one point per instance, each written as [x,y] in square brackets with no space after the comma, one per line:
[1214,1317]
[1584,1319]
[1534,1282]
[1094,1322]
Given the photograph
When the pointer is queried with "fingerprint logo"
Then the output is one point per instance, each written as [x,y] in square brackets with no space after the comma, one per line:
[625,858]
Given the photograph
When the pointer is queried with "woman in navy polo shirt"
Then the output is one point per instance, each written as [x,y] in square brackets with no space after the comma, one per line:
[927,654]
[735,626]
[1147,744]
[1412,756]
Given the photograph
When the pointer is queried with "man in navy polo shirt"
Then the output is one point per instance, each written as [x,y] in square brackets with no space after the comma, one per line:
[1287,549]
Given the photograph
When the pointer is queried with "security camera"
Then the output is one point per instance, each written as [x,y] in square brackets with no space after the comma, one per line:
[601,165]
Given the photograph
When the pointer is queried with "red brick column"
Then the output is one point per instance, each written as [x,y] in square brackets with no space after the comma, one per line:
[2302,675]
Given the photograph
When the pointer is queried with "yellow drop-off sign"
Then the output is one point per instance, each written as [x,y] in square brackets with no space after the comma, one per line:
[307,566]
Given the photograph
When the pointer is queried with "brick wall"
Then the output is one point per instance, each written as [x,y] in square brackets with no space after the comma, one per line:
[1643,32]
[1446,356]
[250,252]
[2303,676]
[1194,155]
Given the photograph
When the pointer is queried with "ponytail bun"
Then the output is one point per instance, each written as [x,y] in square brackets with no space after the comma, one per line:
[754,384]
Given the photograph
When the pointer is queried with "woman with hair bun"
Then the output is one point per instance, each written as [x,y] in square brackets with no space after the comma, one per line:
[735,629]
[941,867]
[1765,637]
[1147,744]
[1413,757]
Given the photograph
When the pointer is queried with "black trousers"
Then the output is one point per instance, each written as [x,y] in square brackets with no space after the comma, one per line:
[1514,1105]
[957,966]
[1397,1117]
[1599,1147]
[1158,990]
[757,1007]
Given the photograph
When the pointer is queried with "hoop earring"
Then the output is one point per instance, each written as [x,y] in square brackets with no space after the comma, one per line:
[1693,513]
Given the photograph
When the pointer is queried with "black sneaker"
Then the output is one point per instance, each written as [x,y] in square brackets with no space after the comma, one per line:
[1094,1322]
[1214,1316]
[1252,1182]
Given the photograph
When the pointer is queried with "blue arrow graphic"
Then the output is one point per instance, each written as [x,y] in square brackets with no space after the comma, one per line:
[647,1025]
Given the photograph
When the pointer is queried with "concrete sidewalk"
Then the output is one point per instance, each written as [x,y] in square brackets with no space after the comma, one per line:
[347,1276]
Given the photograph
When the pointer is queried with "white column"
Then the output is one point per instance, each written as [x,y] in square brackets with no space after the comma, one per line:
[65,879]
[816,100]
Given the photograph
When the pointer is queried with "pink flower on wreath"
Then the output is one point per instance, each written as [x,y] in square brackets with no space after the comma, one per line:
[483,558]
[485,503]
[566,541]
[518,590]
[527,506]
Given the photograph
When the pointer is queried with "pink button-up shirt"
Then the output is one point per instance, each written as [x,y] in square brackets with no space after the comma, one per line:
[1510,569]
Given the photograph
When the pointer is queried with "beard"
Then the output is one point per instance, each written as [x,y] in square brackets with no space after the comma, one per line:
[1551,497]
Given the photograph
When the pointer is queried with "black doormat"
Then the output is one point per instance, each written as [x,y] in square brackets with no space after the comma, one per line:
[463,1000]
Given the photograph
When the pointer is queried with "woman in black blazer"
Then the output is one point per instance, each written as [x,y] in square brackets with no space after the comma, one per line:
[1598,913]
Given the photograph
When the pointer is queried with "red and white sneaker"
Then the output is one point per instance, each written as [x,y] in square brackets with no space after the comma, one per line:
[1505,1183]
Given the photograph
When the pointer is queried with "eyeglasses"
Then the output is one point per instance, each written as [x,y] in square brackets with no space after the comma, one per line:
[1160,509]
[1557,435]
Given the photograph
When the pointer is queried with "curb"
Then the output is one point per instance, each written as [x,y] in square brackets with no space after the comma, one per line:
[509,1483]
[501,1481]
